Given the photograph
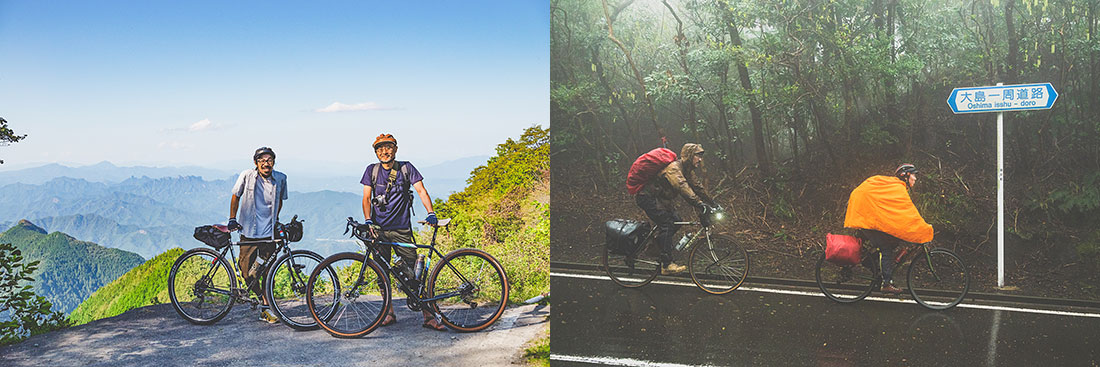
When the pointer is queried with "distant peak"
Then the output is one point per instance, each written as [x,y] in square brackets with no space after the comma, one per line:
[27,225]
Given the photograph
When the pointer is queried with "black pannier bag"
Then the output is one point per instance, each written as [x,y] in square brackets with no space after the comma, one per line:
[625,236]
[212,236]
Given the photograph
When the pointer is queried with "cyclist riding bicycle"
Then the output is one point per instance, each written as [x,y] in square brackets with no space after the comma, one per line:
[262,191]
[656,199]
[387,203]
[883,211]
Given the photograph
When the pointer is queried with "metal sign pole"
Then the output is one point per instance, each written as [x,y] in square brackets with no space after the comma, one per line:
[1000,199]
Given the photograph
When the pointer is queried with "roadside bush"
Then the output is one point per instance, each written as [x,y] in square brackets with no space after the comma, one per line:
[23,313]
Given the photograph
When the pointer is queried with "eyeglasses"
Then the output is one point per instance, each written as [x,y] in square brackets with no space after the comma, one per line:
[385,147]
[265,160]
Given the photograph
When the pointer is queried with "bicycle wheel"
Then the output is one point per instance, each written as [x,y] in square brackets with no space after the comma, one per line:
[285,288]
[352,305]
[635,270]
[844,284]
[472,289]
[718,265]
[938,281]
[201,285]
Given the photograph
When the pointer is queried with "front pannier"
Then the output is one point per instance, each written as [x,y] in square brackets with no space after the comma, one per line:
[214,235]
[624,237]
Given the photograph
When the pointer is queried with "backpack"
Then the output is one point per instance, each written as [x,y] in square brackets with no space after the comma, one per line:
[216,236]
[376,168]
[646,167]
[624,237]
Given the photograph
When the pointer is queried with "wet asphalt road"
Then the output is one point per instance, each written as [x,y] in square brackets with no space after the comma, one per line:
[682,325]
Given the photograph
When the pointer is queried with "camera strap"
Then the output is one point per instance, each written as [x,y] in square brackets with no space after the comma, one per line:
[392,179]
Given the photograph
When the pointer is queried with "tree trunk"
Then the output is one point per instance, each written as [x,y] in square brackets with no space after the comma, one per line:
[754,104]
[632,135]
[681,44]
[630,60]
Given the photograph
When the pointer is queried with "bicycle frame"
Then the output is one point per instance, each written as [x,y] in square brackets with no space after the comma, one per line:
[282,247]
[372,250]
[691,240]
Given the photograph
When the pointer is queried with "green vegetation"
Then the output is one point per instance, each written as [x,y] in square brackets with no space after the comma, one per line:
[22,313]
[7,136]
[539,353]
[142,286]
[505,211]
[70,270]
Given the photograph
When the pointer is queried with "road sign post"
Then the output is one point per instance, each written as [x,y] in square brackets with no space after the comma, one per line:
[1001,98]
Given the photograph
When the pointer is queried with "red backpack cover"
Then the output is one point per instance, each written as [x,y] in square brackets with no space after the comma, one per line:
[646,167]
[842,249]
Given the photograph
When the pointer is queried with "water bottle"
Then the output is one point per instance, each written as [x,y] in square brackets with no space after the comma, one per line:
[259,264]
[419,268]
[683,242]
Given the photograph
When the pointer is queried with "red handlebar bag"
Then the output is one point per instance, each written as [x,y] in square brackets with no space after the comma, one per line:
[841,249]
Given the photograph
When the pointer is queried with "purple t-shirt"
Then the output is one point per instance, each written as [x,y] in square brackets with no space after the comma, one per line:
[395,214]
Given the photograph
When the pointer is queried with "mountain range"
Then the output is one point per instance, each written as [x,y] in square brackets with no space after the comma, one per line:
[70,270]
[149,215]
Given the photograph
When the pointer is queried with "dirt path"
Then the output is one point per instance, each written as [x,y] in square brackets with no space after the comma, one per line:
[157,336]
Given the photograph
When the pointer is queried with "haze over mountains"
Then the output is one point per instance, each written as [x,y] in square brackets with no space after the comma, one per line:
[148,215]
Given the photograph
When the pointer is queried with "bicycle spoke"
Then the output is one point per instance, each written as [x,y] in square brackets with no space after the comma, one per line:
[478,300]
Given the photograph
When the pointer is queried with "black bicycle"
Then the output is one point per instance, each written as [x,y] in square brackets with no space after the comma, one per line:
[937,278]
[467,289]
[203,282]
[717,266]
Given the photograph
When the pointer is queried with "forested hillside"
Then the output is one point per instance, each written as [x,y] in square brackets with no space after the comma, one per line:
[144,285]
[69,269]
[505,211]
[797,102]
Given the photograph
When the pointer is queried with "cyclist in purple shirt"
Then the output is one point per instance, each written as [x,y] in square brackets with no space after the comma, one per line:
[387,203]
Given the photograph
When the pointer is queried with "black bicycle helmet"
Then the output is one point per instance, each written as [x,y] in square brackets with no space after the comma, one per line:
[905,169]
[262,151]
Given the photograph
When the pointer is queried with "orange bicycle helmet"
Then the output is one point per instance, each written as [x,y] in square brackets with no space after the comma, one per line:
[384,138]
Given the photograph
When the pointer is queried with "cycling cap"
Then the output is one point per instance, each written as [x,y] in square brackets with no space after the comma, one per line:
[262,151]
[384,138]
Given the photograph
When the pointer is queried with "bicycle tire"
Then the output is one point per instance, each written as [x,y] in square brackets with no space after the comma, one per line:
[289,283]
[939,281]
[481,285]
[718,265]
[844,286]
[366,307]
[192,292]
[624,269]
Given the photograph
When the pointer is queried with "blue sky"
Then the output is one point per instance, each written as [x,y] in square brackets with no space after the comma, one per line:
[205,83]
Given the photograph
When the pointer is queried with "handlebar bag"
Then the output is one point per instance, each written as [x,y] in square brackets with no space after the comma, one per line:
[212,236]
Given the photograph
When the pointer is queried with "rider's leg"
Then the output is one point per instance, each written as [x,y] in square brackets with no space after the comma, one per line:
[249,253]
[664,218]
[408,257]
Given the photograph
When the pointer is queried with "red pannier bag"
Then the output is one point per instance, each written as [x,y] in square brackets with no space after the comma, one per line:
[646,167]
[841,249]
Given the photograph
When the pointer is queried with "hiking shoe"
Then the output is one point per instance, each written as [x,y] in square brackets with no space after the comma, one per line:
[672,269]
[890,288]
[266,315]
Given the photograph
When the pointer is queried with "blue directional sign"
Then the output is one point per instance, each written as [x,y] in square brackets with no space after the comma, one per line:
[999,98]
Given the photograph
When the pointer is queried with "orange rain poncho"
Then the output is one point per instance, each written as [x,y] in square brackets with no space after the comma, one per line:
[882,203]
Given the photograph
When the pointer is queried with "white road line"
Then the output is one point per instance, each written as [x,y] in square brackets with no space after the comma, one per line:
[609,361]
[879,299]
